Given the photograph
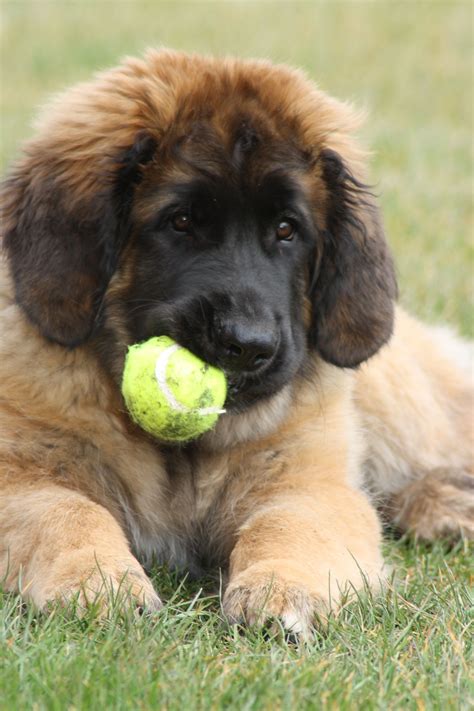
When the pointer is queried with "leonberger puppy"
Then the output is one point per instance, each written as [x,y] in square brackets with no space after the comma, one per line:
[222,203]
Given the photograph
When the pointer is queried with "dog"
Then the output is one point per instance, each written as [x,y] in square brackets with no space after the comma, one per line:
[222,203]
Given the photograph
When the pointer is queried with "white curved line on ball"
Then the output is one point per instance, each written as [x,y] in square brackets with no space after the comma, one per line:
[160,374]
[209,411]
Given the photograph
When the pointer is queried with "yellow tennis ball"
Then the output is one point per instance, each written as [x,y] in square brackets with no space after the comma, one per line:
[171,393]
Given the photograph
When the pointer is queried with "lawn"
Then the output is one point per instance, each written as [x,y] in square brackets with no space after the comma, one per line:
[406,649]
[409,64]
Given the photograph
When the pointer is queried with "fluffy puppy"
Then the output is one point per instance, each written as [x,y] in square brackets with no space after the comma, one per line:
[222,203]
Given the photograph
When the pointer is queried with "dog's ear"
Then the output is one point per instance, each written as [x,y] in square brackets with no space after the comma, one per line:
[354,286]
[63,244]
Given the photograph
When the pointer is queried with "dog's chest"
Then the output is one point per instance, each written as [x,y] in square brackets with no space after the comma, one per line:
[183,523]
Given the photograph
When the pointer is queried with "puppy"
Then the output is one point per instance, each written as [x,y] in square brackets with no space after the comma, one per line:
[221,203]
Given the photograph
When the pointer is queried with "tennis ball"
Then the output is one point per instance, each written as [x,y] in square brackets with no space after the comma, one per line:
[170,392]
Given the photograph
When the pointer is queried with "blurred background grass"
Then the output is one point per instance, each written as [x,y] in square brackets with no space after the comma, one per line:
[408,63]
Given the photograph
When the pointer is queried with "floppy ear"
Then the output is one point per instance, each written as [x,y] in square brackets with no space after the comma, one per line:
[63,246]
[354,285]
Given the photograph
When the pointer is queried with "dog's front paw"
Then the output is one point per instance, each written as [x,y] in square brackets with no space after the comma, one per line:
[104,585]
[259,597]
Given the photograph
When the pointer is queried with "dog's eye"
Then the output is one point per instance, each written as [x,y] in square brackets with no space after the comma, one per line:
[181,222]
[285,231]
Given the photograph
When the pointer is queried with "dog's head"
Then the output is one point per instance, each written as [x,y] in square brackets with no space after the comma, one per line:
[217,202]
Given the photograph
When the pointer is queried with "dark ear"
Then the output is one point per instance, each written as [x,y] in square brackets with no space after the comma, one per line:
[354,285]
[62,246]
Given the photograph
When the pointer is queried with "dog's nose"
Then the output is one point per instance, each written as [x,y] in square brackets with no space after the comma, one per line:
[246,348]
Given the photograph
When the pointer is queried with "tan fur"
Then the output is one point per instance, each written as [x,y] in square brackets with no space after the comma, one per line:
[416,402]
[277,494]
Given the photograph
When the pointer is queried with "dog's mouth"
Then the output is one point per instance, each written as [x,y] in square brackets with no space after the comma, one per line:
[247,389]
[239,392]
[241,397]
[247,383]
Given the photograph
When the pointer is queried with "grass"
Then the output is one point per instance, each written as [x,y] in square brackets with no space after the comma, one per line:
[408,64]
[408,648]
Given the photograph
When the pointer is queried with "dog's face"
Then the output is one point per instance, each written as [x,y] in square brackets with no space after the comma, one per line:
[221,262]
[229,220]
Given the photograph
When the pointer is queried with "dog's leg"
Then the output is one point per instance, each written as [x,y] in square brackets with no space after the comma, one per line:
[416,400]
[439,505]
[299,553]
[56,544]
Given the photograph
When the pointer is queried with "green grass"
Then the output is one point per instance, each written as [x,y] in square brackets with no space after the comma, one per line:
[409,64]
[408,648]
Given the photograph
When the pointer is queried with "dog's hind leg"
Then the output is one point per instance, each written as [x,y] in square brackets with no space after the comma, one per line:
[416,403]
[439,505]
